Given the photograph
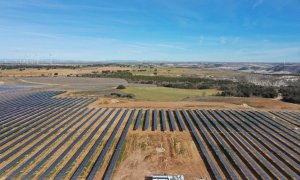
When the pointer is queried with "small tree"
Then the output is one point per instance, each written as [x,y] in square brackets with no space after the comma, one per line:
[116,94]
[130,96]
[121,87]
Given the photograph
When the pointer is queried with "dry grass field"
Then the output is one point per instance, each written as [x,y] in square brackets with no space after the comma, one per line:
[167,94]
[60,71]
[192,72]
[161,70]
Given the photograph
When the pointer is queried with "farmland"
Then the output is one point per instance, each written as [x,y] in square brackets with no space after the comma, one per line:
[44,135]
[60,71]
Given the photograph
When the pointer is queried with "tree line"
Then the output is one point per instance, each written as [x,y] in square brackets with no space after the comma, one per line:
[291,93]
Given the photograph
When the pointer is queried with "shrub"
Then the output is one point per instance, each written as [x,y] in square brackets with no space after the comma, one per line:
[290,94]
[131,96]
[121,87]
[116,94]
[203,86]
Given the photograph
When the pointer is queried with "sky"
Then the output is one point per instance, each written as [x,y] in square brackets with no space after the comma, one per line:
[151,30]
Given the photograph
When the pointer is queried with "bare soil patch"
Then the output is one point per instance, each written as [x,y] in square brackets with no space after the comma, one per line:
[75,83]
[112,102]
[208,103]
[150,153]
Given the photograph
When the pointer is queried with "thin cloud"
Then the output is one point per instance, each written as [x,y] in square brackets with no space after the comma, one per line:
[257,3]
[223,40]
[160,45]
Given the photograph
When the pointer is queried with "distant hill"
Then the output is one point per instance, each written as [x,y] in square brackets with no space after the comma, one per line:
[267,68]
[293,68]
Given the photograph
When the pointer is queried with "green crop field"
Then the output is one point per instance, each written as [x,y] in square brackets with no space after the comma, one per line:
[167,94]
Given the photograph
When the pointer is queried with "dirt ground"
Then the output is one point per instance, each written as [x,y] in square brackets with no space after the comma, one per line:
[158,153]
[234,103]
[74,83]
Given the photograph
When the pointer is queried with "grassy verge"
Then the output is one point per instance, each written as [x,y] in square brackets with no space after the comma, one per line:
[167,94]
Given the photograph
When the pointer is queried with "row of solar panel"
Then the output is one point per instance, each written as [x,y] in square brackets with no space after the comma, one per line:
[33,100]
[21,99]
[235,149]
[242,143]
[155,120]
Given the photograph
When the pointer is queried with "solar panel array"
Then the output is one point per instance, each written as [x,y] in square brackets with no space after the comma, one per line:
[43,136]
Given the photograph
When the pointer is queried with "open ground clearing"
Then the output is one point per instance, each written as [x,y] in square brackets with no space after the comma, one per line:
[151,153]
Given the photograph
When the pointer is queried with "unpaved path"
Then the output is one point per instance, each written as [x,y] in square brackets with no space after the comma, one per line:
[39,83]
